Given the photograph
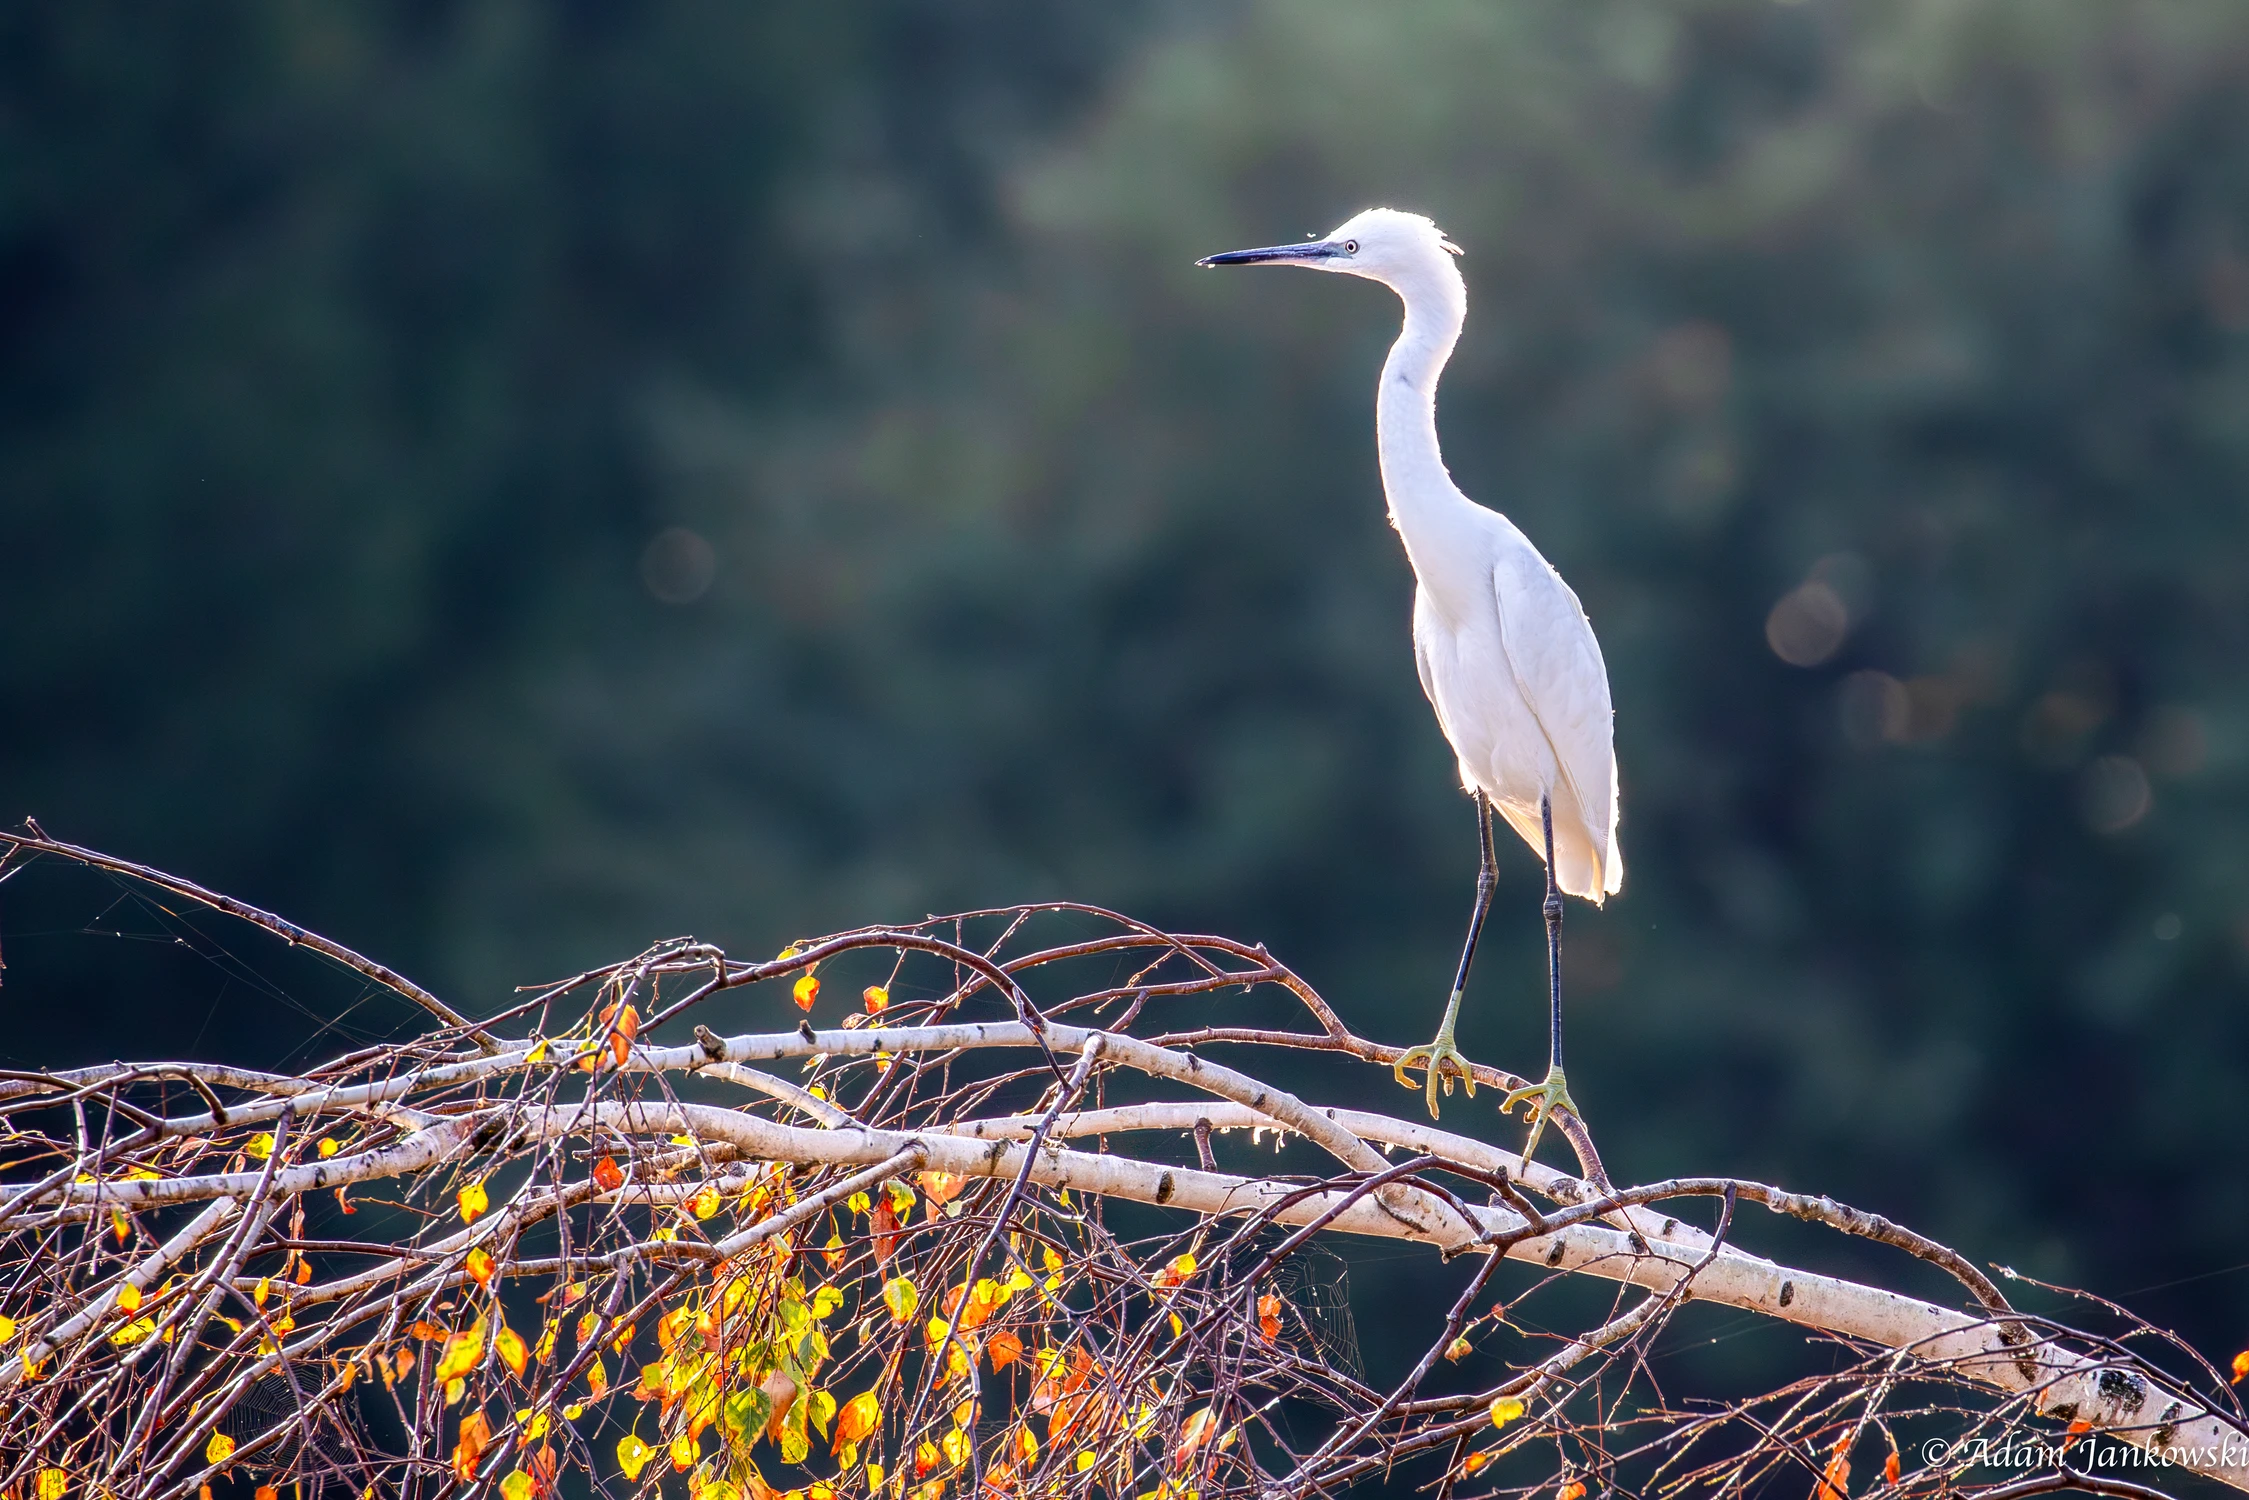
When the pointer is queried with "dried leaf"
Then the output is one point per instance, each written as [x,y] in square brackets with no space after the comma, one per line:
[885,1221]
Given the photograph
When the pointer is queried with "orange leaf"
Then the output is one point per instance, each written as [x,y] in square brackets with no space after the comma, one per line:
[877,999]
[806,990]
[266,1492]
[2241,1367]
[597,1378]
[861,1415]
[304,1272]
[886,1230]
[621,1035]
[1269,1316]
[1474,1461]
[1005,1349]
[1890,1468]
[344,1203]
[480,1266]
[606,1175]
[1835,1482]
[1574,1490]
[476,1432]
[942,1187]
[511,1349]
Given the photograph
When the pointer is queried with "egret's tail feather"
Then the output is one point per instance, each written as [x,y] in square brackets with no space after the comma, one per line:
[1583,867]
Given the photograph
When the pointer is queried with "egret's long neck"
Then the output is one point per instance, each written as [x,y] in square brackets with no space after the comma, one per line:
[1424,503]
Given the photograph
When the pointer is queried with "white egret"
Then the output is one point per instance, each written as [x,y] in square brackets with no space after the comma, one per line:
[1505,653]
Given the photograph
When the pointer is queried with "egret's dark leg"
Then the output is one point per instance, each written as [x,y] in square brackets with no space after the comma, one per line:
[1440,1057]
[1554,1092]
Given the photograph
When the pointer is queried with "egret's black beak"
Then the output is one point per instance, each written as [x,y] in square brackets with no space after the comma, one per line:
[1310,253]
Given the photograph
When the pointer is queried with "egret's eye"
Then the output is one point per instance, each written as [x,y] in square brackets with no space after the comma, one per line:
[1350,247]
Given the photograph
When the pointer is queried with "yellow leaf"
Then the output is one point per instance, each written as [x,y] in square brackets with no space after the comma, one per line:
[219,1449]
[133,1332]
[874,1476]
[900,1296]
[259,1146]
[463,1353]
[1085,1460]
[806,990]
[955,1446]
[538,1052]
[517,1486]
[474,1200]
[510,1347]
[877,999]
[7,1328]
[633,1455]
[261,1291]
[685,1449]
[1504,1410]
[128,1298]
[328,1147]
[50,1484]
[705,1203]
[480,1265]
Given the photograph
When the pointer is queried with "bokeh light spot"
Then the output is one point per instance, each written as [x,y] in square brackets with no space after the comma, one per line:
[2113,794]
[1807,626]
[678,566]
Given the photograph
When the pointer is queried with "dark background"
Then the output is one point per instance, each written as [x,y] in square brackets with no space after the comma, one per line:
[502,483]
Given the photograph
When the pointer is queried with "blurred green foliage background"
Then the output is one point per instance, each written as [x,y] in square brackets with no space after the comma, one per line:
[501,483]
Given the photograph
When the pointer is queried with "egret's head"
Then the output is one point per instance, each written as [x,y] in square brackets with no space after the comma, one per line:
[1382,244]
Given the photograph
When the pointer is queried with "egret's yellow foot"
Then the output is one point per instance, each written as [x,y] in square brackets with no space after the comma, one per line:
[1544,1099]
[1443,1061]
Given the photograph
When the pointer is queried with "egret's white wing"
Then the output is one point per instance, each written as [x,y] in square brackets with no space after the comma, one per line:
[1558,668]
